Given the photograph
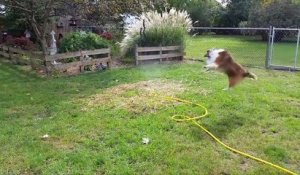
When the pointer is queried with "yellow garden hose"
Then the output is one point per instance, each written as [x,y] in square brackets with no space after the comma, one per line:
[183,118]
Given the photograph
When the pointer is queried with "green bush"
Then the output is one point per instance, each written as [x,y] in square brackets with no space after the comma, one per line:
[77,41]
[117,34]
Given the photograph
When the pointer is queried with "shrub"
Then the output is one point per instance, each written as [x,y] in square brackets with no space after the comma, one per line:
[245,24]
[77,41]
[117,33]
[107,35]
[154,29]
[21,42]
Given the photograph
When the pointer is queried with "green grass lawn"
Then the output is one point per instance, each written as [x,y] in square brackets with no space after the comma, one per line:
[96,122]
[246,50]
[284,54]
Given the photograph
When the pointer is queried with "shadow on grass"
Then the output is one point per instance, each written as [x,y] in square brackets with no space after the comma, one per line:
[220,128]
[22,86]
[15,72]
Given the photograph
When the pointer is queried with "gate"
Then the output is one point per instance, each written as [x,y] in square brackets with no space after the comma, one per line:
[283,51]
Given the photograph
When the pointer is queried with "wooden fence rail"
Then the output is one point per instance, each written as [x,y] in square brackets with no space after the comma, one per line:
[99,57]
[158,53]
[57,62]
[20,56]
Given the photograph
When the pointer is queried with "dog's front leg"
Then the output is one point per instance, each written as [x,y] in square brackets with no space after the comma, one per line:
[211,66]
[226,89]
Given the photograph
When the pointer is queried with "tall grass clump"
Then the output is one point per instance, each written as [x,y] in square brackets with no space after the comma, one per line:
[153,29]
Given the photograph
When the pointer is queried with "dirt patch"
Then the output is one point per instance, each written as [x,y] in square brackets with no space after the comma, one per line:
[245,165]
[118,63]
[141,97]
[293,102]
[59,143]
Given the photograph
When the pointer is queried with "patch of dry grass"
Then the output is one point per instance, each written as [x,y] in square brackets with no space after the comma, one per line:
[140,97]
[58,143]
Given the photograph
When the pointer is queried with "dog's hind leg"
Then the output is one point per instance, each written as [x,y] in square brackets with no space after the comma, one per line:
[250,75]
[233,81]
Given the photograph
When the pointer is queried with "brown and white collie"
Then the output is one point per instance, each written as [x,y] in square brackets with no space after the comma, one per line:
[220,59]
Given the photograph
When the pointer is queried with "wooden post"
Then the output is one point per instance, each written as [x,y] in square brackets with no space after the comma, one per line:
[32,61]
[160,53]
[12,56]
[136,55]
[48,66]
[109,56]
[9,54]
[81,67]
[182,52]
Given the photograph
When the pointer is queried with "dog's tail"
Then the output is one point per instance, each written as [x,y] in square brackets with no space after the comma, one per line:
[250,75]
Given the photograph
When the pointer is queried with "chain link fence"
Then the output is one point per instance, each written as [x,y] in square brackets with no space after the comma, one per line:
[248,46]
[284,49]
[274,48]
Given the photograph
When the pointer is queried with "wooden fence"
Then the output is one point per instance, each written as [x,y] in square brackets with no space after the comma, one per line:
[57,62]
[98,57]
[158,53]
[19,56]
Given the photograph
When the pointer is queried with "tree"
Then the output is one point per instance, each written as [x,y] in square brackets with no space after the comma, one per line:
[15,22]
[202,12]
[37,13]
[103,11]
[235,12]
[277,13]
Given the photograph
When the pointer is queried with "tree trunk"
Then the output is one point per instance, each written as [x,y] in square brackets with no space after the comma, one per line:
[40,32]
[41,36]
[44,45]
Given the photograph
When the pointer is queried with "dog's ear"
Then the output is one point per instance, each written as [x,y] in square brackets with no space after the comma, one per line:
[224,57]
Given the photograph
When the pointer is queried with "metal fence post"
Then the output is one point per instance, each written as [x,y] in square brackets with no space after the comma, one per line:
[268,54]
[272,45]
[297,49]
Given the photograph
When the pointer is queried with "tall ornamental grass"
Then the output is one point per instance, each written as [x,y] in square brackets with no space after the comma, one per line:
[153,29]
